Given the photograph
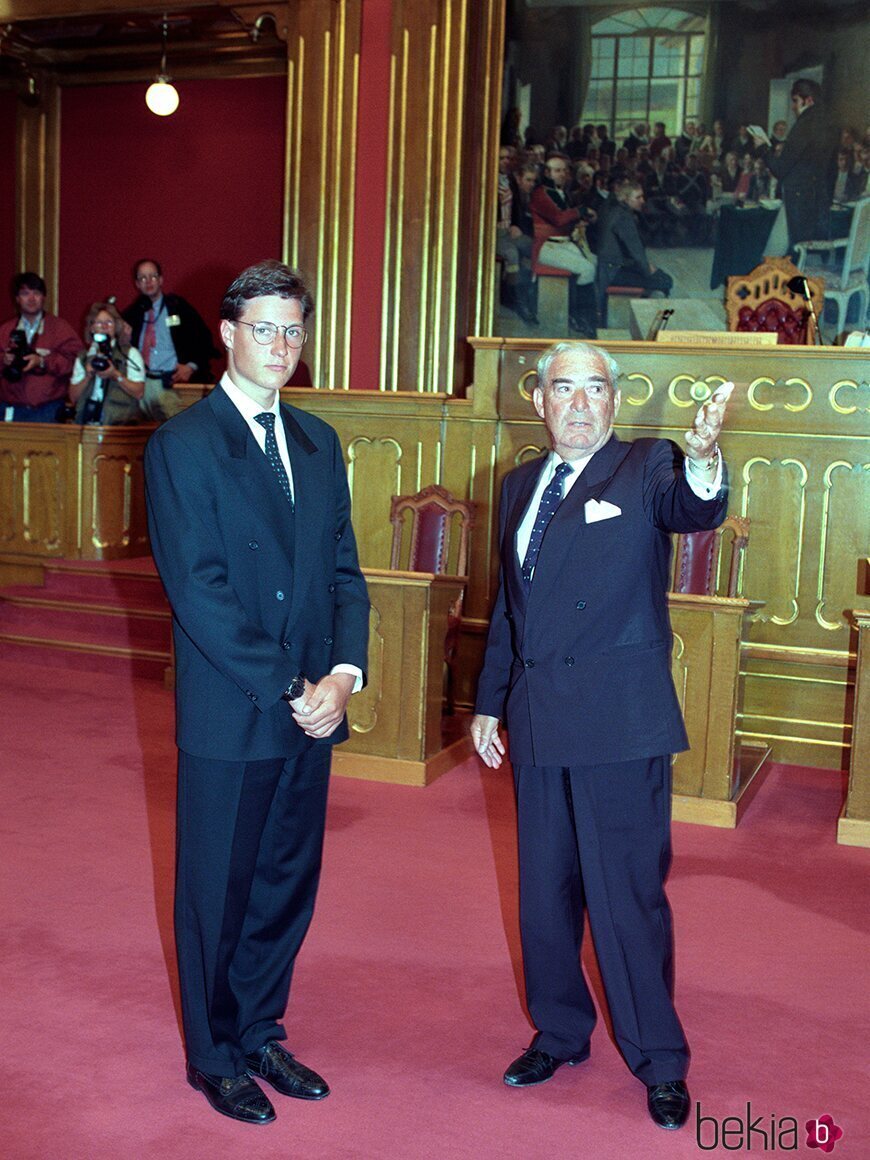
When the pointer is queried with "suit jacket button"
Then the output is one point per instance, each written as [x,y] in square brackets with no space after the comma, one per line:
[581,604]
[331,588]
[530,664]
[569,661]
[327,640]
[286,644]
[252,544]
[337,536]
[279,595]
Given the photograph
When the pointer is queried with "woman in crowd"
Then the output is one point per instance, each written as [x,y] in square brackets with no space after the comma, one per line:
[108,378]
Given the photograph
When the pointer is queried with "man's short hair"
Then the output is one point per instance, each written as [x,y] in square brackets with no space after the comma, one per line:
[806,89]
[29,280]
[141,262]
[585,348]
[624,189]
[264,279]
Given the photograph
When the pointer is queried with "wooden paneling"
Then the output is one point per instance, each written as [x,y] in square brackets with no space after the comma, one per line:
[395,721]
[70,493]
[854,825]
[323,85]
[798,452]
[442,134]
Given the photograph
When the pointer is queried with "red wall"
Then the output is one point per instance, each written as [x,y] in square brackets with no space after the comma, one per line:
[371,193]
[200,191]
[8,104]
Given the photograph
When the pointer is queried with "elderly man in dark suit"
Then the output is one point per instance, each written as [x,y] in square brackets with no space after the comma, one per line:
[577,664]
[249,515]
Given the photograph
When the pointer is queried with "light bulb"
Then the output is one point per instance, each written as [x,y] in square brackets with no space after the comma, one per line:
[162,97]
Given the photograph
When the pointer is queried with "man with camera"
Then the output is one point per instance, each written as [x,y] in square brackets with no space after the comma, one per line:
[39,350]
[175,342]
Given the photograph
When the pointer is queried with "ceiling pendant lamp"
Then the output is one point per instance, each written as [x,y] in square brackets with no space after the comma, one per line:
[162,96]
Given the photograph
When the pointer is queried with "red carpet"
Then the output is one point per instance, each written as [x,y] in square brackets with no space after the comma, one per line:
[405,994]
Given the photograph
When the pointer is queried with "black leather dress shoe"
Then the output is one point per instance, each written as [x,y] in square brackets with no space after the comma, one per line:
[235,1096]
[287,1075]
[535,1066]
[668,1104]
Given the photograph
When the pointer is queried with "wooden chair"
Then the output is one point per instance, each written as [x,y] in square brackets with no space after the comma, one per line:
[845,273]
[762,301]
[433,514]
[698,559]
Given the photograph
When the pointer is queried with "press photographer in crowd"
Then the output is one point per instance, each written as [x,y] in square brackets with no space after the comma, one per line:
[38,350]
[108,378]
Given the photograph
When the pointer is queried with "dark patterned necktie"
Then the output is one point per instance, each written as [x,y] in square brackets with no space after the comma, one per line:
[267,420]
[550,500]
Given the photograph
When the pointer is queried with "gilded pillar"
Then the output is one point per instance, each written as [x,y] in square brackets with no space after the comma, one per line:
[443,126]
[322,94]
[37,205]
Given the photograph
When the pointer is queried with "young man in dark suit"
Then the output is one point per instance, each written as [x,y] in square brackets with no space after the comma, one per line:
[577,664]
[249,515]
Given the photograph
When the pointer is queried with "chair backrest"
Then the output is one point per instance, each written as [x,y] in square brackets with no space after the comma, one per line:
[698,559]
[748,301]
[857,252]
[432,515]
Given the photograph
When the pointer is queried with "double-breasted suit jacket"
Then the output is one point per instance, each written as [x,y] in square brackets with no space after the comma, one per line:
[579,666]
[258,593]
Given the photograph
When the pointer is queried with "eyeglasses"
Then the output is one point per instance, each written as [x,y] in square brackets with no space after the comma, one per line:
[265,333]
[148,277]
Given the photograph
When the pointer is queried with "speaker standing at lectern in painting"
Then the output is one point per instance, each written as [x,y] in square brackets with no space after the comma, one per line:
[249,515]
[577,663]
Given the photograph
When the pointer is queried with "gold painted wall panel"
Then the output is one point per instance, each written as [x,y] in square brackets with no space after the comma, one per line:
[322,103]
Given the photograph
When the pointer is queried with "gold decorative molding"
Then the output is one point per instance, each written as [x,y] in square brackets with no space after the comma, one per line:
[37,185]
[323,44]
[442,130]
[766,381]
[638,377]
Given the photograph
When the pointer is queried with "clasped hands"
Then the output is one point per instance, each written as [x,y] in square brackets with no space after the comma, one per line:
[321,708]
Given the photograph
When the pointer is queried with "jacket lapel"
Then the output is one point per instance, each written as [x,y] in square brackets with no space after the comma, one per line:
[311,482]
[519,506]
[564,528]
[250,470]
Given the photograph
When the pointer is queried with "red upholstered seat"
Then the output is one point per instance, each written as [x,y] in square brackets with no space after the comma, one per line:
[432,514]
[774,316]
[550,271]
[697,558]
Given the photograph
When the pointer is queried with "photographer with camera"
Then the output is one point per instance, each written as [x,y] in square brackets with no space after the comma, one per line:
[38,351]
[108,378]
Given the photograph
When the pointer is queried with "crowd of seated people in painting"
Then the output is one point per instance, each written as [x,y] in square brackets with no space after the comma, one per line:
[557,191]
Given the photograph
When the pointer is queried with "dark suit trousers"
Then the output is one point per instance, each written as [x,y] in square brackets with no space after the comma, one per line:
[599,836]
[250,838]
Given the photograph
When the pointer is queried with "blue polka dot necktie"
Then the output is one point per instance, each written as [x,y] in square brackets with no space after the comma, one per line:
[550,500]
[267,420]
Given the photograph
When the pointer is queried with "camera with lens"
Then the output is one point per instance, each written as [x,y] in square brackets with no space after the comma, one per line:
[101,360]
[19,348]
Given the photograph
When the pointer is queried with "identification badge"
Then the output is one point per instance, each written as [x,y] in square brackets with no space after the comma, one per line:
[173,320]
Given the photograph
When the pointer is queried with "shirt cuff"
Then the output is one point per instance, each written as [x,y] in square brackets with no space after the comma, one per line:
[354,672]
[703,488]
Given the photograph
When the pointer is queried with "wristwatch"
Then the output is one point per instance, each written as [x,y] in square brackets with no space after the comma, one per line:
[295,689]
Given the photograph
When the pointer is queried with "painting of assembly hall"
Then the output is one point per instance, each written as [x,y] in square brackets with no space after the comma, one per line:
[639,158]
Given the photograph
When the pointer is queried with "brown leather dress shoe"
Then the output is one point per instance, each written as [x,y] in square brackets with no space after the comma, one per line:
[668,1104]
[285,1073]
[235,1096]
[534,1067]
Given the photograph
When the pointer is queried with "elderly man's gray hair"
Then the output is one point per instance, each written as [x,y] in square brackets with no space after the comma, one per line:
[584,348]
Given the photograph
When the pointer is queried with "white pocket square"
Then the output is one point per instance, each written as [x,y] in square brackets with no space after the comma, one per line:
[600,510]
